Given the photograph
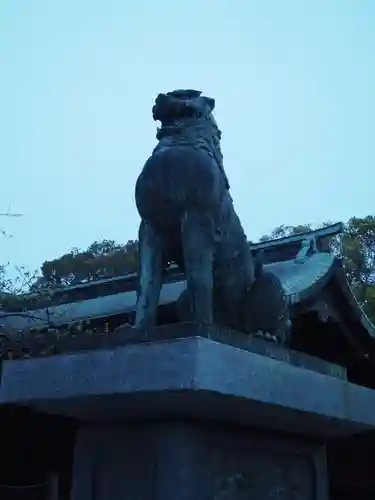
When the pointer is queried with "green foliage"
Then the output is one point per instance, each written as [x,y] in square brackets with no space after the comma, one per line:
[359,243]
[4,281]
[282,231]
[14,294]
[102,259]
[357,248]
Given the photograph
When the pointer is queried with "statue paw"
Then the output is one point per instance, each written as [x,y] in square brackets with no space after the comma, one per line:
[127,331]
[123,326]
[266,335]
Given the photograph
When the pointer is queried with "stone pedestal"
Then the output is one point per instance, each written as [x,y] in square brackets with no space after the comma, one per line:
[194,461]
[193,419]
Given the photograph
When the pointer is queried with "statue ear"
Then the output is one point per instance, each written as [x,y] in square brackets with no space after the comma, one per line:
[211,102]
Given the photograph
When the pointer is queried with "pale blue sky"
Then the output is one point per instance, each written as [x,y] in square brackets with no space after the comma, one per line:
[294,82]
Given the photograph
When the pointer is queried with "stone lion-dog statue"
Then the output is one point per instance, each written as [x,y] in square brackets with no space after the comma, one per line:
[187,217]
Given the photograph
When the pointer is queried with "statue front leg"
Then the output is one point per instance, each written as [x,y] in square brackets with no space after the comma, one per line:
[150,275]
[198,249]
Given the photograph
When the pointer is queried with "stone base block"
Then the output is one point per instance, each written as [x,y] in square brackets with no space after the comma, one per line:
[190,378]
[194,461]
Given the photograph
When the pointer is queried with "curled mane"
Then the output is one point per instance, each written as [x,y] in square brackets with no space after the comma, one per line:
[186,120]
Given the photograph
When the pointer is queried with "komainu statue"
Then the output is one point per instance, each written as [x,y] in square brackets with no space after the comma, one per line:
[182,196]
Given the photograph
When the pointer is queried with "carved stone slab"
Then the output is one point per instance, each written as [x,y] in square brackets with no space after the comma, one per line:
[189,378]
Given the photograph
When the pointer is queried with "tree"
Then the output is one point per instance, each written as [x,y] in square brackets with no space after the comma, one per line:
[102,259]
[359,243]
[11,290]
[282,231]
[356,245]
[4,281]
[6,284]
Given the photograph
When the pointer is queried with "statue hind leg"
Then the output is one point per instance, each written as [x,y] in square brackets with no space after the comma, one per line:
[150,275]
[198,249]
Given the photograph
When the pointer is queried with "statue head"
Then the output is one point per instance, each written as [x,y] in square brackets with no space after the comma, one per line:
[181,104]
[186,116]
[184,108]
